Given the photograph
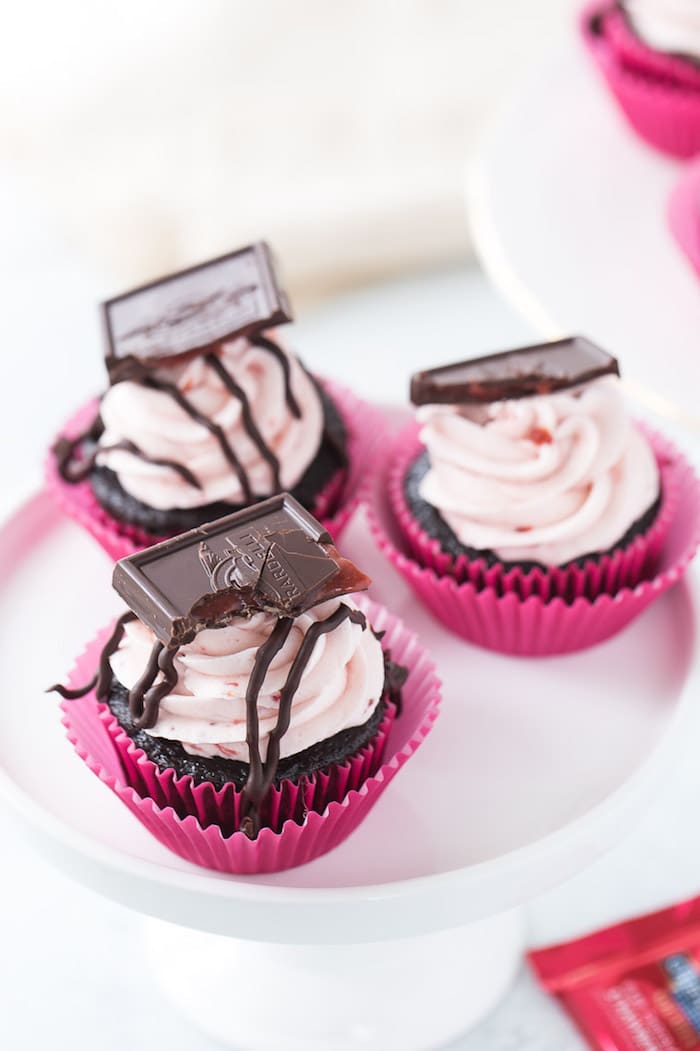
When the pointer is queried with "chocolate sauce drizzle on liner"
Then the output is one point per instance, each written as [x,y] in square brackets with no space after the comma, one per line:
[261,776]
[146,695]
[101,681]
[72,471]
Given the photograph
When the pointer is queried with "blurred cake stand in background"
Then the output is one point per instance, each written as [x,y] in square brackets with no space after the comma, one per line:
[568,211]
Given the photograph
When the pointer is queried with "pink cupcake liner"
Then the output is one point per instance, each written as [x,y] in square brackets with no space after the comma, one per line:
[658,93]
[195,821]
[624,567]
[684,213]
[634,54]
[365,427]
[533,626]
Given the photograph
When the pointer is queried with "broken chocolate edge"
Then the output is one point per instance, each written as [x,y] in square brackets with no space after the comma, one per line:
[175,626]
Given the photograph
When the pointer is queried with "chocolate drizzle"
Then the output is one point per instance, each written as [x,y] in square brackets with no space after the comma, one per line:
[214,362]
[102,679]
[260,340]
[253,791]
[146,694]
[141,374]
[261,776]
[76,471]
[167,387]
[64,449]
[73,471]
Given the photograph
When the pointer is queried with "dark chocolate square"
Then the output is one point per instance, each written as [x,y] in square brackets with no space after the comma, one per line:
[273,556]
[189,312]
[521,373]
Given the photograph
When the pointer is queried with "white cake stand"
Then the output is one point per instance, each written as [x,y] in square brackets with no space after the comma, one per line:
[568,212]
[407,933]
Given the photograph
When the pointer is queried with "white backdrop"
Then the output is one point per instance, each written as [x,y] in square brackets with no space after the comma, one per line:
[157,133]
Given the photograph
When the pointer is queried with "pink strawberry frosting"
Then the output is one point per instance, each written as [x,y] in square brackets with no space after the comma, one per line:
[161,429]
[206,712]
[546,479]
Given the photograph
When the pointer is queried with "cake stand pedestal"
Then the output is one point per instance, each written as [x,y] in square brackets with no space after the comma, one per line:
[568,211]
[414,993]
[409,931]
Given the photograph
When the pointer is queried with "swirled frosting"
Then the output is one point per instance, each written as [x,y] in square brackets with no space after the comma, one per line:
[163,430]
[206,712]
[545,479]
[667,25]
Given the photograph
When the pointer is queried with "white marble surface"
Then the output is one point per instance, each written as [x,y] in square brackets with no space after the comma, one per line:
[72,973]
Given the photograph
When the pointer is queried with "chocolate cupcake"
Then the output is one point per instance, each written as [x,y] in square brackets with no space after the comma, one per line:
[528,460]
[207,411]
[525,508]
[245,688]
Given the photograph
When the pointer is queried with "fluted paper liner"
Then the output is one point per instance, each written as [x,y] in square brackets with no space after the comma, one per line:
[504,610]
[659,93]
[609,572]
[308,819]
[365,427]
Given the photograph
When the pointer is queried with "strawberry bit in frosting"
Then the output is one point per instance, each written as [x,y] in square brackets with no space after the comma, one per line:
[501,486]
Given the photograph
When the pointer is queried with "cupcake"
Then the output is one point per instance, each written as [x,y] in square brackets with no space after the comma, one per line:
[244,706]
[649,53]
[523,479]
[207,412]
[684,213]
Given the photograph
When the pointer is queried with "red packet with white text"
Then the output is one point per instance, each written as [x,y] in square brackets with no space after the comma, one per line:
[635,986]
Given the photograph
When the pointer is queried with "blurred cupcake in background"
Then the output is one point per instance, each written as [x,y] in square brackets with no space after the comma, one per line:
[207,412]
[649,53]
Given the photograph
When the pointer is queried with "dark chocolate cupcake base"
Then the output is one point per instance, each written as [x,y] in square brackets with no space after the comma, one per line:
[219,771]
[330,459]
[431,522]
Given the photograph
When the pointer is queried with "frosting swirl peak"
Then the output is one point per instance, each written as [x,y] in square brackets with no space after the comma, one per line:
[206,710]
[545,479]
[163,430]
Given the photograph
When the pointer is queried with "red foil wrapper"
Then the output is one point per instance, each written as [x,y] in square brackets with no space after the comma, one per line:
[634,986]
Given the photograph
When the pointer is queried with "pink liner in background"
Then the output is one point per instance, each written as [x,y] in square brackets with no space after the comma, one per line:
[658,93]
[183,816]
[533,626]
[684,213]
[622,568]
[365,427]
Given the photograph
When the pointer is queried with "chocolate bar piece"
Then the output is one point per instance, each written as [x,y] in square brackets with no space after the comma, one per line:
[189,312]
[273,556]
[520,373]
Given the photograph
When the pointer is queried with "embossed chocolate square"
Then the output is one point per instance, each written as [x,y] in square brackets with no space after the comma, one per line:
[189,312]
[539,369]
[273,556]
